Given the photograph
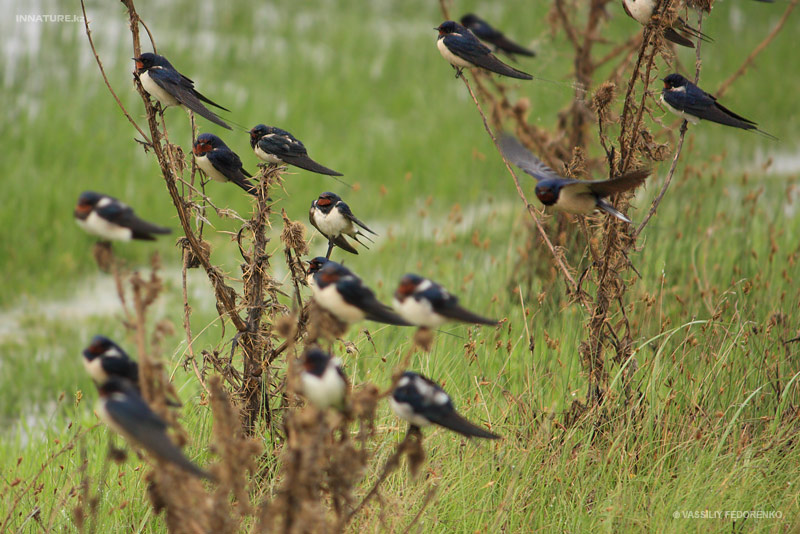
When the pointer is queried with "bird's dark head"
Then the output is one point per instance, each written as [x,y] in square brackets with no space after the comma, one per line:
[448,27]
[100,346]
[315,360]
[674,81]
[260,130]
[315,264]
[257,132]
[148,60]
[327,199]
[547,192]
[206,143]
[408,284]
[469,20]
[86,203]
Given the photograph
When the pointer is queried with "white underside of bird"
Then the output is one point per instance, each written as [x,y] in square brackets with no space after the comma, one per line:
[419,312]
[333,223]
[451,57]
[266,156]
[329,299]
[95,370]
[640,10]
[576,199]
[96,225]
[679,113]
[406,412]
[323,391]
[208,168]
[156,91]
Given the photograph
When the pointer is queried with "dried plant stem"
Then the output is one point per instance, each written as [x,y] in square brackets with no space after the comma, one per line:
[572,285]
[627,140]
[224,294]
[256,278]
[673,166]
[757,50]
[425,501]
[187,325]
[390,465]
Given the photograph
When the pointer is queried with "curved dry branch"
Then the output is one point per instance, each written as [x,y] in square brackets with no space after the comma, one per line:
[105,78]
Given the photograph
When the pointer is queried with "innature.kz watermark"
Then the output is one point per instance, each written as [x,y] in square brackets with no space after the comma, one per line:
[49,18]
[727,514]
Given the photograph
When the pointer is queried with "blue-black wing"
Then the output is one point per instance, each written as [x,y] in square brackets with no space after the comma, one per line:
[182,89]
[148,430]
[229,164]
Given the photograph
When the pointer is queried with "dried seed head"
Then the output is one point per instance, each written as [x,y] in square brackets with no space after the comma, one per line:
[603,97]
[286,326]
[191,260]
[103,255]
[423,339]
[294,235]
[702,5]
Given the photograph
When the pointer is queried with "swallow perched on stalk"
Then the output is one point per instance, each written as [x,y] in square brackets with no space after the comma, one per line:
[111,220]
[566,194]
[679,32]
[171,88]
[274,145]
[340,292]
[322,380]
[104,359]
[425,303]
[462,49]
[486,33]
[122,408]
[421,402]
[334,219]
[220,163]
[686,100]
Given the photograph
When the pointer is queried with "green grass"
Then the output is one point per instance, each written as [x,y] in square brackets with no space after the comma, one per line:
[367,92]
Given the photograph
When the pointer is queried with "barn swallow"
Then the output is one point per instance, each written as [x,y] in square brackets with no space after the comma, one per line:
[274,145]
[220,163]
[685,99]
[422,402]
[314,265]
[171,88]
[333,218]
[111,220]
[462,49]
[322,380]
[343,294]
[494,37]
[679,32]
[125,411]
[425,303]
[566,194]
[104,359]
